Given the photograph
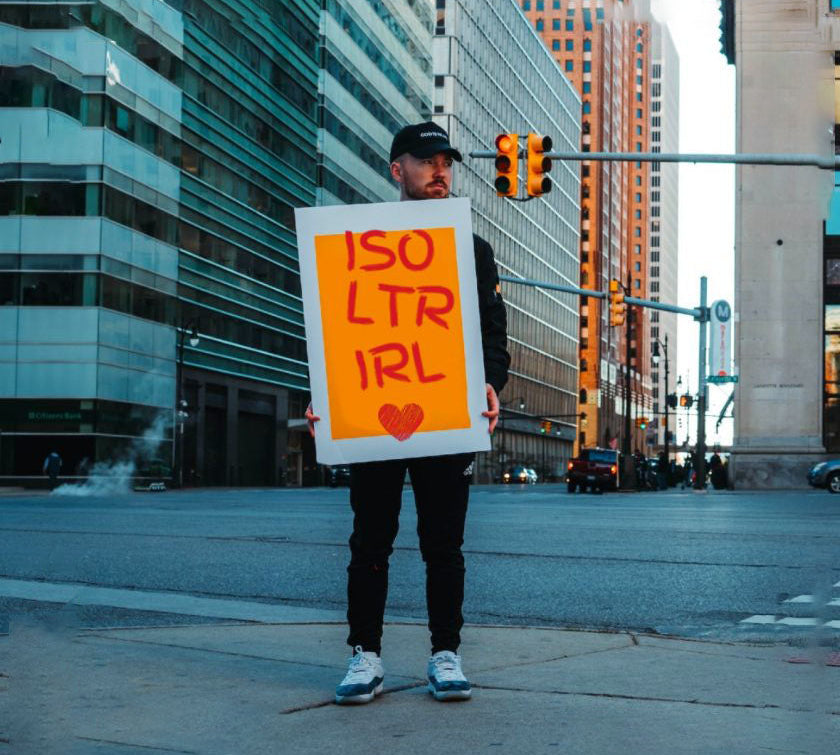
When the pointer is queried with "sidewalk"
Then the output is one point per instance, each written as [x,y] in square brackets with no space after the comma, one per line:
[244,689]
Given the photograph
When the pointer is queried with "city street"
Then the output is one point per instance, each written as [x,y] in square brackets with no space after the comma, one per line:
[726,566]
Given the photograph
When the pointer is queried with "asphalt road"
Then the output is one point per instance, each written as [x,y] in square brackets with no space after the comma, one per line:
[683,563]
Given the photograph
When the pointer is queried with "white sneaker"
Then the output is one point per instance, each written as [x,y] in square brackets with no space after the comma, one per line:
[446,680]
[364,679]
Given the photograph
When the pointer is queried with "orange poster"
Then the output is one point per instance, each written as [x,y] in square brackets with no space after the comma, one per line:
[392,330]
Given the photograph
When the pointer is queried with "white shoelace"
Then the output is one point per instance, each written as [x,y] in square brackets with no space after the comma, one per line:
[448,668]
[360,665]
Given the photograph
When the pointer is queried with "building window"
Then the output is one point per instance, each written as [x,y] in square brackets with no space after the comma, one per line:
[540,24]
[587,107]
[587,66]
[637,283]
[587,87]
[540,5]
[526,4]
[583,365]
[555,24]
[637,214]
[438,81]
[570,65]
[570,25]
[654,287]
[638,130]
[555,44]
[438,108]
[587,45]
[637,266]
[638,195]
[570,45]
[556,5]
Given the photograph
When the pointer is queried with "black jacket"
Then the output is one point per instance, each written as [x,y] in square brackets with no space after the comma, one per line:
[493,316]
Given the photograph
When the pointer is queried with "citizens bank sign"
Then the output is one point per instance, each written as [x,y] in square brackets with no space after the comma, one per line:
[720,341]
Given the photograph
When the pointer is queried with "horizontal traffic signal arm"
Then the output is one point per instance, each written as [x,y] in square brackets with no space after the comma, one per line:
[826,162]
[697,313]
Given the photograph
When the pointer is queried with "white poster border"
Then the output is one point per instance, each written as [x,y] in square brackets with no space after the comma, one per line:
[393,216]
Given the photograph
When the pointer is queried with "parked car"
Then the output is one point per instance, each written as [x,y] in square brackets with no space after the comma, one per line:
[522,475]
[593,468]
[338,475]
[826,474]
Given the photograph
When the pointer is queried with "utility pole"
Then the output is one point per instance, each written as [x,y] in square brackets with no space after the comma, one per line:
[667,428]
[702,391]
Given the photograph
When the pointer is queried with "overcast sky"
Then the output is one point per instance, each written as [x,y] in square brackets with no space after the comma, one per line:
[707,192]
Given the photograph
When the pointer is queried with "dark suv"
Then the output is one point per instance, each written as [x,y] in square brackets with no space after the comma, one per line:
[594,468]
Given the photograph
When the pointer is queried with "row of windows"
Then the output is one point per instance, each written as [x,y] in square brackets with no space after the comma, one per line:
[262,59]
[102,20]
[86,290]
[373,49]
[92,290]
[361,93]
[30,87]
[248,116]
[86,199]
[351,139]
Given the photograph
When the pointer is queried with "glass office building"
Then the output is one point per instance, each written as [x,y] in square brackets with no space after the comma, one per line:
[152,155]
[376,78]
[493,75]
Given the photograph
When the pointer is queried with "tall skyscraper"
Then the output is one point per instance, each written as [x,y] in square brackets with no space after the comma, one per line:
[664,215]
[787,239]
[605,48]
[151,157]
[493,75]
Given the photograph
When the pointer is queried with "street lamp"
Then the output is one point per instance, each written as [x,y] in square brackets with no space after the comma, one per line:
[181,412]
[655,357]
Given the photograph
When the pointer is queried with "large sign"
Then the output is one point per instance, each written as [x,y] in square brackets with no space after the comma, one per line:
[720,341]
[392,330]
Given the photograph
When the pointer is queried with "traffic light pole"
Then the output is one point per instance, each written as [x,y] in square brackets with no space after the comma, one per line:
[702,393]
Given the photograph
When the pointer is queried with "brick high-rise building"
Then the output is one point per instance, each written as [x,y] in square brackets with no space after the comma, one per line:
[604,48]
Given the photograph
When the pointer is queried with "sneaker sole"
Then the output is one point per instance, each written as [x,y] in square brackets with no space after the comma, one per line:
[451,694]
[359,699]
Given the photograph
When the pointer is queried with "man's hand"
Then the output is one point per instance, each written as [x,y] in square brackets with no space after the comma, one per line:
[492,407]
[311,419]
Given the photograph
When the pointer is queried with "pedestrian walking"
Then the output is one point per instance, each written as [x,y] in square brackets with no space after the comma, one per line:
[52,467]
[421,163]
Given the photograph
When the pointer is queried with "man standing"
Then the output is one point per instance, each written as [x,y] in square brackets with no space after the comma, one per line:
[421,163]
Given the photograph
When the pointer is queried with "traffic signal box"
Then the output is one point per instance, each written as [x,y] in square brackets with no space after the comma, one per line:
[538,165]
[642,423]
[618,309]
[507,163]
[545,426]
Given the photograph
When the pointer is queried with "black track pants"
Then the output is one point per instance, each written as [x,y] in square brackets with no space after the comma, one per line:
[441,490]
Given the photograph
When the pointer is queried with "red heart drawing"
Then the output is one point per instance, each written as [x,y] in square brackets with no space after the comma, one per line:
[401,423]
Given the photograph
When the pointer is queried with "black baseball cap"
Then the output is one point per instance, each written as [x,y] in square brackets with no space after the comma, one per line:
[423,140]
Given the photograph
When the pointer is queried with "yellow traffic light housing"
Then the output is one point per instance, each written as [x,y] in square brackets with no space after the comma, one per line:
[507,165]
[618,309]
[538,165]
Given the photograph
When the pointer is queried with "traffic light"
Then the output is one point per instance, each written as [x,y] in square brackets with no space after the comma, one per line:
[545,426]
[618,309]
[687,400]
[642,423]
[672,400]
[538,165]
[507,163]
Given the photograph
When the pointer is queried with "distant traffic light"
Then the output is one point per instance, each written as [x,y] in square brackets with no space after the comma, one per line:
[538,165]
[507,164]
[545,426]
[687,400]
[672,400]
[618,309]
[642,423]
